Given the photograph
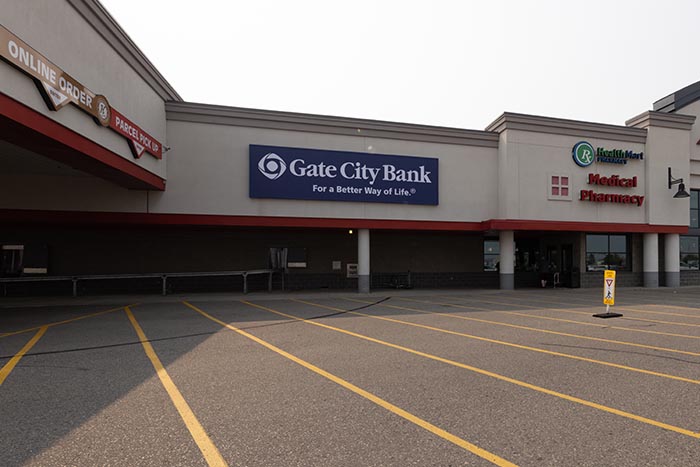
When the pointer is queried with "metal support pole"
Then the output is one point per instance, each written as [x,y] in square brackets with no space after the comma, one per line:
[269,281]
[245,283]
[165,284]
[75,286]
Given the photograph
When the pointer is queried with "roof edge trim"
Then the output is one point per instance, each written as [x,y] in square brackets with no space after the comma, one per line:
[679,99]
[256,118]
[561,126]
[661,119]
[106,26]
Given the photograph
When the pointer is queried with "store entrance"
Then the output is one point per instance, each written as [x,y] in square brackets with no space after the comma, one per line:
[545,260]
[560,264]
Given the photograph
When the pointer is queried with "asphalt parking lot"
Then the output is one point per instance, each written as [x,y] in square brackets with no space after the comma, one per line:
[438,378]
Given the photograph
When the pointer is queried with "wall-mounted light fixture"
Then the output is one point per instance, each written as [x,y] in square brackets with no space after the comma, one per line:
[681,186]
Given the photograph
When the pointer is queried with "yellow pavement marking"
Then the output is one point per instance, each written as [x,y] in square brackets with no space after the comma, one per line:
[209,450]
[588,313]
[21,331]
[588,304]
[624,308]
[5,370]
[528,328]
[509,344]
[562,310]
[622,328]
[549,318]
[674,306]
[367,395]
[665,313]
[497,376]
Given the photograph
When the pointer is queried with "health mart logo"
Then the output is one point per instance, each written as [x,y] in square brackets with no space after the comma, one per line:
[583,154]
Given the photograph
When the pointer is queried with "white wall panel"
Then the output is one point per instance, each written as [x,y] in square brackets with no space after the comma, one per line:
[208,174]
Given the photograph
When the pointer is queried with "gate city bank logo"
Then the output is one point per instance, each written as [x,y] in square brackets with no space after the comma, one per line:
[583,154]
[272,166]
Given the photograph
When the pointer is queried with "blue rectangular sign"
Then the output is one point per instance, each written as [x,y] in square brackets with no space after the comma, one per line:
[295,173]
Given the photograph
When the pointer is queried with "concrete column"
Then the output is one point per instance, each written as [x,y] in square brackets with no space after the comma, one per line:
[506,259]
[651,260]
[672,260]
[363,261]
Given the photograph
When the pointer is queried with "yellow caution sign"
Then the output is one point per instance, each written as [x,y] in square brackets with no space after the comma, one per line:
[609,288]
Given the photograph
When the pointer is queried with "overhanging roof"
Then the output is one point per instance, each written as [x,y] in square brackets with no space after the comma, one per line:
[29,129]
[678,99]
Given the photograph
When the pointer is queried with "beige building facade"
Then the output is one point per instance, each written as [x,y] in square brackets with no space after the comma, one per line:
[105,170]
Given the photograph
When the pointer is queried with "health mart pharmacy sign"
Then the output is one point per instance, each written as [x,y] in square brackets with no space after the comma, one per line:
[612,181]
[312,174]
[584,155]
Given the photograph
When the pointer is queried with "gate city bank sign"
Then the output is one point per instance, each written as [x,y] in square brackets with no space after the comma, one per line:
[312,174]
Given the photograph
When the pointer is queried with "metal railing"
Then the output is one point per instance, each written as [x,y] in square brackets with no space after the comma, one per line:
[163,277]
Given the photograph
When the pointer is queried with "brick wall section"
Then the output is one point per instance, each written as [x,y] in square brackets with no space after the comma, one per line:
[132,250]
[623,279]
[477,280]
[301,281]
[690,278]
[417,280]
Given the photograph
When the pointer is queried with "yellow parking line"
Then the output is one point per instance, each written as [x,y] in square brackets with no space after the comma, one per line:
[5,370]
[528,328]
[621,328]
[588,313]
[209,450]
[497,376]
[484,454]
[527,315]
[677,307]
[624,308]
[21,331]
[665,313]
[508,344]
[586,303]
[562,310]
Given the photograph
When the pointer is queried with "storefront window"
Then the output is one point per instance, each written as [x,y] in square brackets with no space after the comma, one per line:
[689,252]
[606,252]
[694,208]
[492,251]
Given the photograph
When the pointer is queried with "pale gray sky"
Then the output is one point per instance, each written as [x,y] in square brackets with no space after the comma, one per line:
[436,62]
